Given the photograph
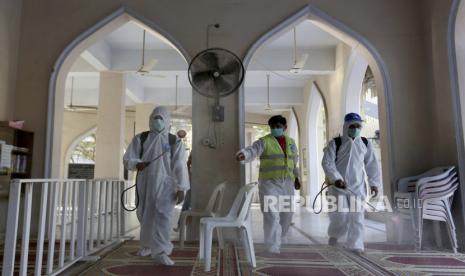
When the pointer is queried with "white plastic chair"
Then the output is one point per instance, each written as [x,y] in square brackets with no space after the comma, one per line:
[237,217]
[213,209]
[432,193]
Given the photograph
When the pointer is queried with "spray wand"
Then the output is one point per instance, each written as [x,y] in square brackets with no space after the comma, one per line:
[325,186]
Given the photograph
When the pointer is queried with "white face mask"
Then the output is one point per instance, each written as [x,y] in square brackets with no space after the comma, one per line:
[158,125]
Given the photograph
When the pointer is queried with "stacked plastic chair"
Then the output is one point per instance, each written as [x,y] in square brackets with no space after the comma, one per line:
[428,197]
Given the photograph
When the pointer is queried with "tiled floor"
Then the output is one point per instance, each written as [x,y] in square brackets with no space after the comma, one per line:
[308,228]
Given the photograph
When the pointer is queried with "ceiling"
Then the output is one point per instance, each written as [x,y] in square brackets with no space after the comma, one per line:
[121,51]
[129,36]
[308,36]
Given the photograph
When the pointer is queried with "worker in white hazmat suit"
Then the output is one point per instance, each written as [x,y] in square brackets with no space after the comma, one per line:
[278,177]
[345,162]
[159,158]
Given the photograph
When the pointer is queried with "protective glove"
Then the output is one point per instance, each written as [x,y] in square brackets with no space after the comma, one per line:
[297,184]
[179,197]
[340,184]
[142,165]
[240,156]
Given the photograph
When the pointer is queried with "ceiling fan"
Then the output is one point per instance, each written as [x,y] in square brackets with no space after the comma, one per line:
[298,63]
[268,107]
[179,110]
[72,107]
[145,68]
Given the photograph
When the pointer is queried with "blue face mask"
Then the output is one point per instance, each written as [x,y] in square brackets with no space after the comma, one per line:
[354,132]
[277,132]
[158,125]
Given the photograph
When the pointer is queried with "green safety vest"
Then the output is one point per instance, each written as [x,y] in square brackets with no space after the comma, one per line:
[273,162]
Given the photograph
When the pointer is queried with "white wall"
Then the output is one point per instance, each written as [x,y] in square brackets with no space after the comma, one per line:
[10,21]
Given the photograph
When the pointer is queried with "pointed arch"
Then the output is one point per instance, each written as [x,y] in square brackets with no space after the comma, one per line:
[69,55]
[72,146]
[456,53]
[357,42]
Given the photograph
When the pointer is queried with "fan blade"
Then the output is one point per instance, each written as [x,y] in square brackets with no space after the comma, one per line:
[202,77]
[222,86]
[301,62]
[231,67]
[210,60]
[149,66]
[203,81]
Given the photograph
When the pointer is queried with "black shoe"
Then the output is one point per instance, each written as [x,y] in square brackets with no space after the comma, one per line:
[332,241]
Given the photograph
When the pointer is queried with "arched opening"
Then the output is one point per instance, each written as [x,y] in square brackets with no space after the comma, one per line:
[91,53]
[81,152]
[317,139]
[460,52]
[457,61]
[321,69]
[107,82]
[456,53]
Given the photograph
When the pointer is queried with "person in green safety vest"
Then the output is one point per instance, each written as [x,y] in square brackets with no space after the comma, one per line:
[278,177]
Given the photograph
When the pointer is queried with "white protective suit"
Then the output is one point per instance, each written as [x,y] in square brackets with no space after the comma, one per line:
[158,183]
[275,224]
[354,159]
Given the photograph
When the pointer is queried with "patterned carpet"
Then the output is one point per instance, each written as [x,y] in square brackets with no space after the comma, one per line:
[296,260]
[304,260]
[124,261]
[401,260]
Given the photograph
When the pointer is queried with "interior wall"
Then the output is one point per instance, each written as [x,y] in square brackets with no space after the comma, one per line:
[442,127]
[436,14]
[10,21]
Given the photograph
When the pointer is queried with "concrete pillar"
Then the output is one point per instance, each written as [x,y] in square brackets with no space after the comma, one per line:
[143,112]
[110,125]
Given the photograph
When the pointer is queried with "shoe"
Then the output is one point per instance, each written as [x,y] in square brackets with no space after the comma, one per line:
[284,240]
[144,252]
[163,259]
[357,252]
[332,241]
[273,250]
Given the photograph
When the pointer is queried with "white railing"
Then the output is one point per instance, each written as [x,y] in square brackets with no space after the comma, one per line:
[73,218]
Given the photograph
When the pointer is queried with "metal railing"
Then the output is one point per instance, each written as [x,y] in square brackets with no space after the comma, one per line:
[73,218]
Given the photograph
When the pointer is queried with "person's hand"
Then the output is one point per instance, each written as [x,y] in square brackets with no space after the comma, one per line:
[179,197]
[240,156]
[297,184]
[340,184]
[374,191]
[141,165]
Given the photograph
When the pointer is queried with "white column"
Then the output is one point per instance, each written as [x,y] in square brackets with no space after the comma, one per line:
[110,125]
[143,112]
